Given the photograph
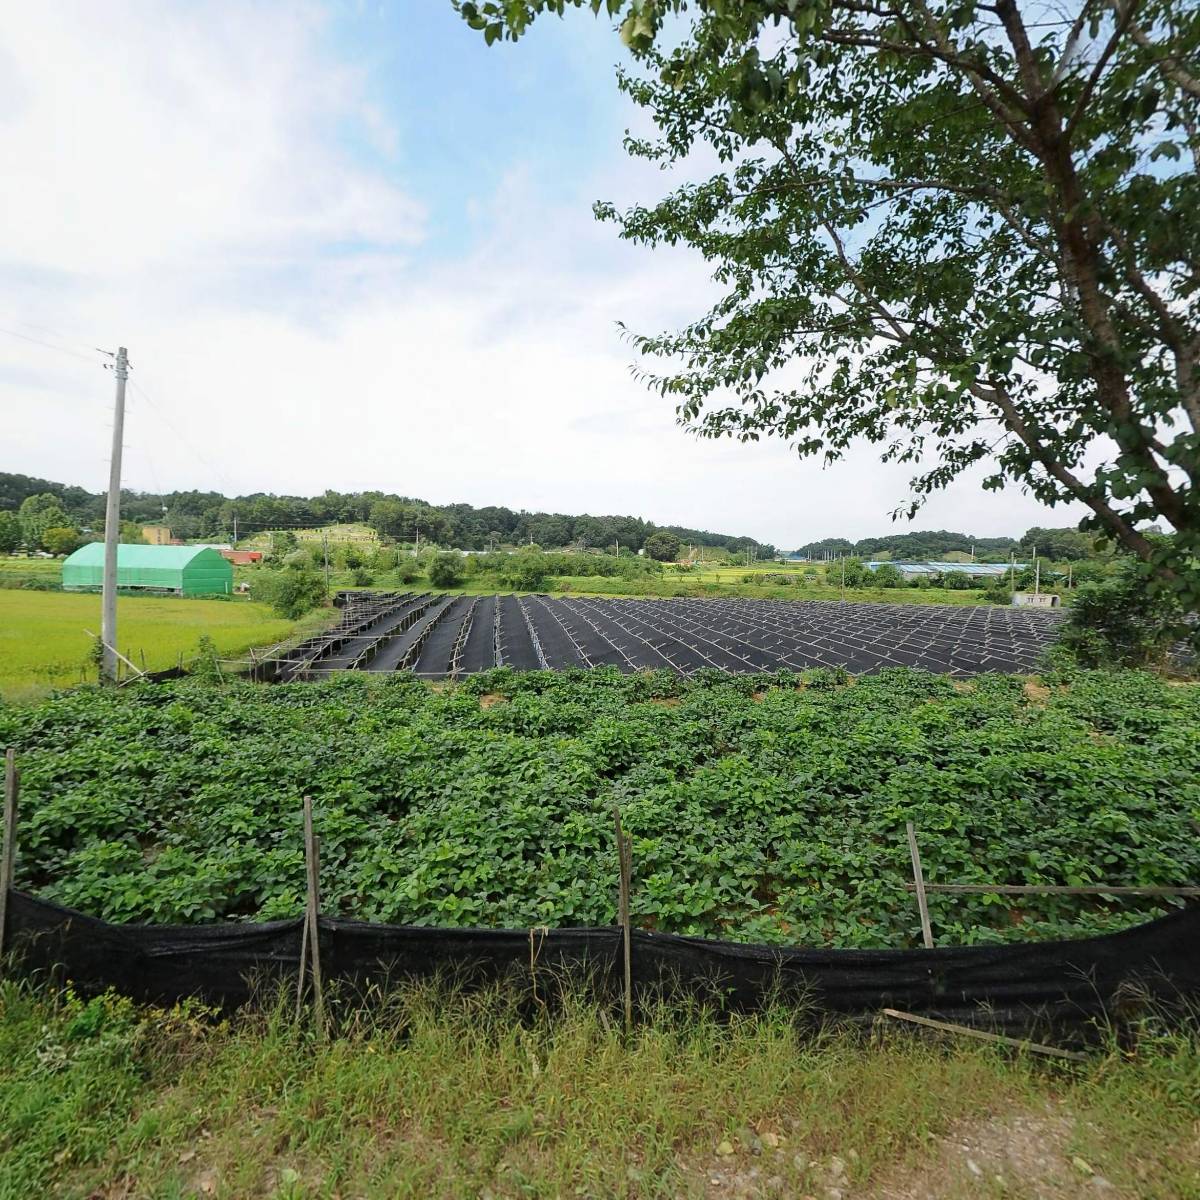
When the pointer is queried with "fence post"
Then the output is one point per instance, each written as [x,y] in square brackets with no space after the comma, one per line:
[312,849]
[919,879]
[8,857]
[625,865]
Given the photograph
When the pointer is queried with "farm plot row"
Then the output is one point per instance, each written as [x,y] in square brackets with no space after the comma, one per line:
[436,635]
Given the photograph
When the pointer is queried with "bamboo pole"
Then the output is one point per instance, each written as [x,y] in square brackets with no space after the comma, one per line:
[131,665]
[981,1035]
[312,850]
[919,883]
[303,959]
[12,782]
[625,865]
[1053,889]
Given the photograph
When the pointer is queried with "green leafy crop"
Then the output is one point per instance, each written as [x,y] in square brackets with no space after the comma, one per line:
[762,808]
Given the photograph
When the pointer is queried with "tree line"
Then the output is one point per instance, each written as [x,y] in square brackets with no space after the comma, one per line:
[1060,544]
[193,515]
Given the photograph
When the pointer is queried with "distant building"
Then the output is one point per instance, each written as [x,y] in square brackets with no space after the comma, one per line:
[975,569]
[240,558]
[183,570]
[156,535]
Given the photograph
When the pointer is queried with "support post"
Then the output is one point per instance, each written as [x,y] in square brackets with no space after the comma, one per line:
[112,527]
[625,864]
[8,856]
[919,880]
[312,850]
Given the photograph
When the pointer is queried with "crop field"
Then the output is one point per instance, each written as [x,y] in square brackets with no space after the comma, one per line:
[436,635]
[44,643]
[762,808]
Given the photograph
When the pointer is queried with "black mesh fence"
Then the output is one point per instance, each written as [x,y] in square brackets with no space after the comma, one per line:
[1067,989]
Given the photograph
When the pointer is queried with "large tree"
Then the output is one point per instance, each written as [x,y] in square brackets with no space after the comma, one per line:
[966,232]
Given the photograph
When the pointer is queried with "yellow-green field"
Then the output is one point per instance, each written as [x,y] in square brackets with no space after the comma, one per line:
[43,643]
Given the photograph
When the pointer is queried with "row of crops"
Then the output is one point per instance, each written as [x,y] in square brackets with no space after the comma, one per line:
[766,808]
[437,635]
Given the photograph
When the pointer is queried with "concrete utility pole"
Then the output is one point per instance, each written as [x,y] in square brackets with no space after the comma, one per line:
[235,529]
[325,547]
[112,528]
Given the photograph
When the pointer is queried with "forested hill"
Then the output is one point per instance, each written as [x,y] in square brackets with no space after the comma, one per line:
[1061,545]
[211,515]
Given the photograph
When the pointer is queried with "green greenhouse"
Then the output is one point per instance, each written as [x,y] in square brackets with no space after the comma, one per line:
[184,570]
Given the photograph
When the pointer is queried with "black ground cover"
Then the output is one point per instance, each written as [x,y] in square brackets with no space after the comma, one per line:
[437,636]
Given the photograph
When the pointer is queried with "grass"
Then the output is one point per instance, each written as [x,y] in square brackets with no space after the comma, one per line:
[729,584]
[442,1094]
[43,643]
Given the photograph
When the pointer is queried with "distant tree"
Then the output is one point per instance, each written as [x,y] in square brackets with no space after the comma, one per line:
[446,570]
[39,513]
[663,546]
[1060,545]
[60,539]
[129,533]
[10,532]
[957,581]
[408,570]
[886,576]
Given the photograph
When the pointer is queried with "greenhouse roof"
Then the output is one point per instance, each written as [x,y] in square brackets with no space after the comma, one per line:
[129,555]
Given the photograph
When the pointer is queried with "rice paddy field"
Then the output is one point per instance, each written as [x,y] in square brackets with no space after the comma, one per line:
[44,642]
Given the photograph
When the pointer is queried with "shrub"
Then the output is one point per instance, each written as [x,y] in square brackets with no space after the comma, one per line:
[957,581]
[446,570]
[1127,620]
[361,577]
[291,592]
[887,576]
[408,570]
[526,572]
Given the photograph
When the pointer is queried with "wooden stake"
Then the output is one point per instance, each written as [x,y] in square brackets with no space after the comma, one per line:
[312,851]
[919,878]
[8,856]
[981,1035]
[625,864]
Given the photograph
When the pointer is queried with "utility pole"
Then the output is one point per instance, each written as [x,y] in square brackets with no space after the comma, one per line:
[843,579]
[112,528]
[235,528]
[1037,573]
[325,548]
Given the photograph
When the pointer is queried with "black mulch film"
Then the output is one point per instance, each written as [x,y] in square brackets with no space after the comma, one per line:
[1068,990]
[437,635]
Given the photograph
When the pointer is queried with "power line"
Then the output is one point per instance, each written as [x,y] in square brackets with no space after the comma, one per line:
[183,437]
[50,345]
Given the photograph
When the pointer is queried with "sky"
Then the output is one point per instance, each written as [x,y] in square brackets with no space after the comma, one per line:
[349,246]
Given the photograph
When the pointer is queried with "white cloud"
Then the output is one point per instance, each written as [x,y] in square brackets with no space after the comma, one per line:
[182,186]
[150,136]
